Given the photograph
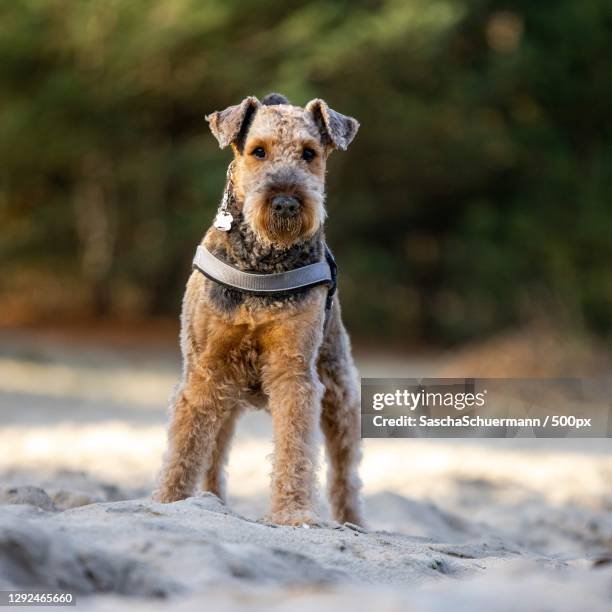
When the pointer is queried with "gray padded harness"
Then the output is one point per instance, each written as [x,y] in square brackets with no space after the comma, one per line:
[319,273]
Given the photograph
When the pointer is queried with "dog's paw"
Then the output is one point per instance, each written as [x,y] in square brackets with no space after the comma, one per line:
[296,518]
[167,497]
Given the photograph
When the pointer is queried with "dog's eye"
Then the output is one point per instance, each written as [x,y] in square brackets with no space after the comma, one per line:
[308,155]
[259,152]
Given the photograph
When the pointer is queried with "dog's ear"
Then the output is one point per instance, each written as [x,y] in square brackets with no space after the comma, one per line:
[337,130]
[231,125]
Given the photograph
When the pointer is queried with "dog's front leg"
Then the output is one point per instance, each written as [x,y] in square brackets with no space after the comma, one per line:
[199,410]
[294,393]
[295,400]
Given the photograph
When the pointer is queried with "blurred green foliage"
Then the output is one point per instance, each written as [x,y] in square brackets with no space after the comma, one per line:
[478,189]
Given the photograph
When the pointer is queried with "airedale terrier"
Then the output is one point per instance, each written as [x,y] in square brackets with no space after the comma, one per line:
[282,350]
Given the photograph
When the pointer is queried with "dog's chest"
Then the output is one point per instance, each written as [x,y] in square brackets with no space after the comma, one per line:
[242,249]
[236,344]
[229,301]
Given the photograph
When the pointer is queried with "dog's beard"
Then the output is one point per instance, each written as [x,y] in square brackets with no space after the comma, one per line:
[284,231]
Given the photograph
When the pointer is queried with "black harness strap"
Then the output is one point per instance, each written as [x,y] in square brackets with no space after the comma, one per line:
[333,286]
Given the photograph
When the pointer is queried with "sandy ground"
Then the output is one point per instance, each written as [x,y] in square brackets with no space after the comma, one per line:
[461,524]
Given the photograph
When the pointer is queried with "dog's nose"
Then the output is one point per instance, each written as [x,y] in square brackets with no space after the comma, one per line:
[285,205]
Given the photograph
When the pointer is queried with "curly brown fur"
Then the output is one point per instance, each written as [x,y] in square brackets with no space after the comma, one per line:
[273,351]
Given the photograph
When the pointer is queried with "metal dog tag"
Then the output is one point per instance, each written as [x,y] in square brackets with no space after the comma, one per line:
[223,221]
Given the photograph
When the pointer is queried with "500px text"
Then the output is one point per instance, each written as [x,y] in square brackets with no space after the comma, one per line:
[478,421]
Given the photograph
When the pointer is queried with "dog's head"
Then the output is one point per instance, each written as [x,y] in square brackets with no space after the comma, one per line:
[280,155]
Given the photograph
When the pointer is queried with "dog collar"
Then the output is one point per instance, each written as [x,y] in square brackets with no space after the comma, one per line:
[319,273]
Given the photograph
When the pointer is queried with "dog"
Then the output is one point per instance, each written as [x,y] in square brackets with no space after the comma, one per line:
[282,351]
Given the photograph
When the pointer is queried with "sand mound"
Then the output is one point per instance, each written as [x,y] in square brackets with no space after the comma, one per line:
[117,555]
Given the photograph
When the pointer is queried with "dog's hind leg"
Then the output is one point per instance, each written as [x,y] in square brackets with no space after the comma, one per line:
[214,471]
[340,424]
